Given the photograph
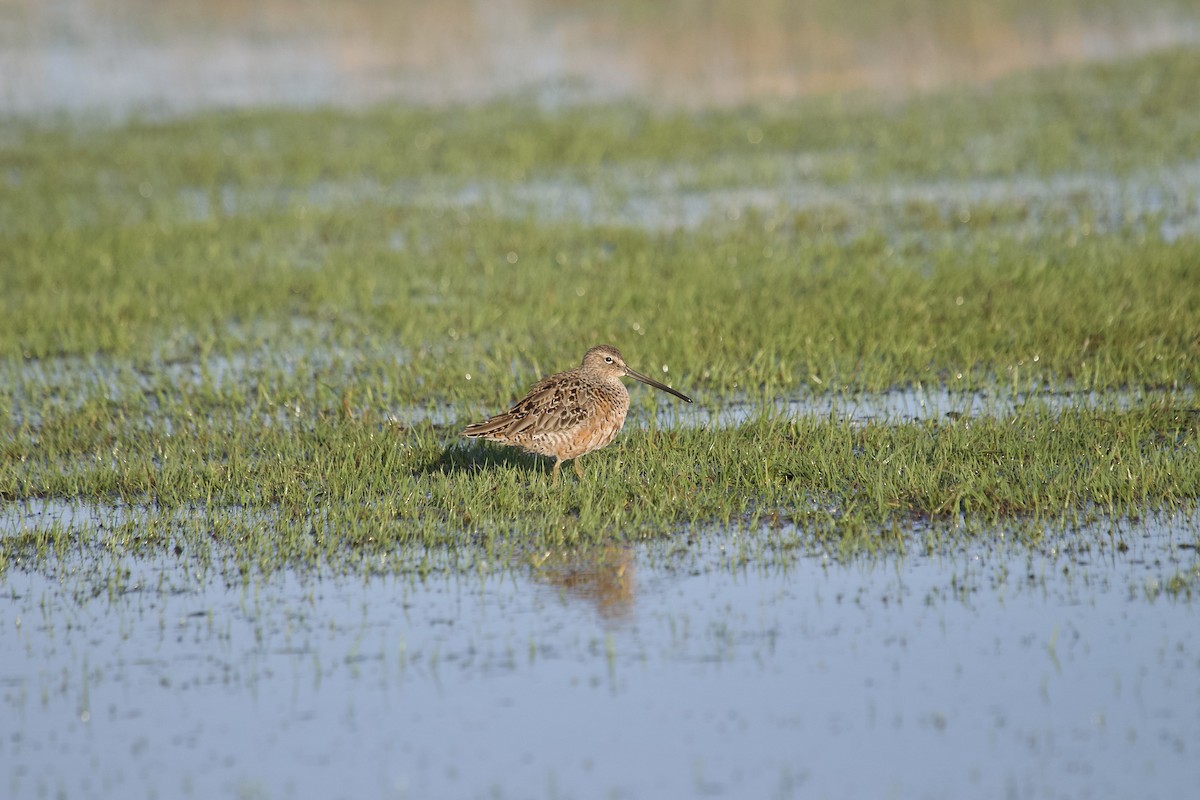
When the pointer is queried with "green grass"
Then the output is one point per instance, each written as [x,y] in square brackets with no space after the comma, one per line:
[743,309]
[263,330]
[1122,117]
[331,488]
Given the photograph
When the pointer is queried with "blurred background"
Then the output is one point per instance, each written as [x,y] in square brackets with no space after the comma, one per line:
[122,56]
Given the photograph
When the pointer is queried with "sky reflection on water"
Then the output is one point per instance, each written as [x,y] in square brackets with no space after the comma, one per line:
[661,670]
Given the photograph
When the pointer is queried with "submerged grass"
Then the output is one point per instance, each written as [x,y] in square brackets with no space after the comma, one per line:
[753,306]
[1116,117]
[261,330]
[287,493]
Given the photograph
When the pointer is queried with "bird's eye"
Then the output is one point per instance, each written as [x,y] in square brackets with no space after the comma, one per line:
[608,360]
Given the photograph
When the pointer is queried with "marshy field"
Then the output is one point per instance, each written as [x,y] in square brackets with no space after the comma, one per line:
[930,528]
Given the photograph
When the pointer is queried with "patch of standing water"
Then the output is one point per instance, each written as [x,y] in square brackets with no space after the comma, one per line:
[169,56]
[254,359]
[667,197]
[910,403]
[662,670]
[75,378]
[51,513]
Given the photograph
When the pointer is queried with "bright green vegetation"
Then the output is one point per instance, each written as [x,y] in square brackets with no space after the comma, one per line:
[328,483]
[1114,118]
[265,329]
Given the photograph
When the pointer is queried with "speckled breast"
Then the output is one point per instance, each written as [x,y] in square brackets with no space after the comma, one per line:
[606,416]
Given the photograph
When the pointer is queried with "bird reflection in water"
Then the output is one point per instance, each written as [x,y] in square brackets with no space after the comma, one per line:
[603,576]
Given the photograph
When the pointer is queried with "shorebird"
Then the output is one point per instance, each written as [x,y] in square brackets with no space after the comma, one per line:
[571,413]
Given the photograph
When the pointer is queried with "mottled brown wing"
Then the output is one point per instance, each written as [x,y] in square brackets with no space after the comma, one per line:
[554,404]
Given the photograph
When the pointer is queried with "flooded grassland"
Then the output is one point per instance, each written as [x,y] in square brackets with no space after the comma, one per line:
[935,505]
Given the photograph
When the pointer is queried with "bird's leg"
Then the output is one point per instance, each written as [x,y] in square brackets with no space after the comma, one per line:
[578,469]
[554,472]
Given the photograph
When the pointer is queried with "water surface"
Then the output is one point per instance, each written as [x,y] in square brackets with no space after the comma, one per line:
[121,56]
[668,669]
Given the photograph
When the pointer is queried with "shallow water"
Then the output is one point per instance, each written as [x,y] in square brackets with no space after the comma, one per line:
[675,197]
[73,380]
[661,670]
[911,403]
[121,56]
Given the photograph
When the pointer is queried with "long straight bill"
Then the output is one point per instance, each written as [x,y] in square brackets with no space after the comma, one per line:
[651,382]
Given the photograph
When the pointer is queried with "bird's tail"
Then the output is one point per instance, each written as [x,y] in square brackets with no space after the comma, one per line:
[487,427]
